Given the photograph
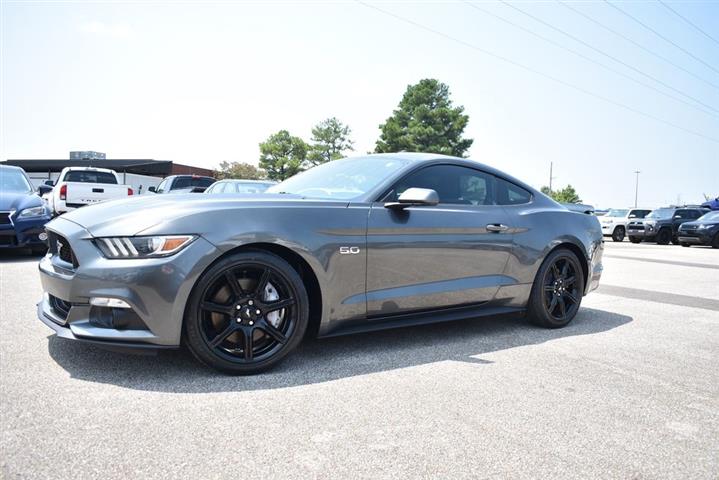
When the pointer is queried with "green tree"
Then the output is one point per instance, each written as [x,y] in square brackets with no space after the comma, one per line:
[425,121]
[283,155]
[330,139]
[565,195]
[239,170]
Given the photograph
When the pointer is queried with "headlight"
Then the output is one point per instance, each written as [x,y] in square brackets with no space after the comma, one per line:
[702,226]
[32,212]
[143,247]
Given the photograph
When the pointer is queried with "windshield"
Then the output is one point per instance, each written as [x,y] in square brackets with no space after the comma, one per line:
[345,179]
[616,213]
[709,217]
[661,213]
[12,180]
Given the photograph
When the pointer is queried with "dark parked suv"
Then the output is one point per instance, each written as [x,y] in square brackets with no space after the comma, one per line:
[662,225]
[703,231]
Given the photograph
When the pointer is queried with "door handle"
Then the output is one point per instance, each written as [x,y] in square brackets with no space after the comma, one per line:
[497,228]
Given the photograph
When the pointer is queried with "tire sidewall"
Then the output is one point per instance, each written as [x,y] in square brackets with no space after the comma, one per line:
[191,328]
[537,311]
[618,234]
[664,237]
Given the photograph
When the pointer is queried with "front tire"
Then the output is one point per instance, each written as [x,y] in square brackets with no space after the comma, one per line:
[246,313]
[715,241]
[618,234]
[557,290]
[635,239]
[664,236]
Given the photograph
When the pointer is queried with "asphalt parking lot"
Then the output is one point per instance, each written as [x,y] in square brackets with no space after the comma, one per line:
[629,390]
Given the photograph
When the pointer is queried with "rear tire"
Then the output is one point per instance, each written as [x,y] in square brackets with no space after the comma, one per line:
[246,313]
[618,234]
[557,291]
[685,244]
[715,242]
[635,239]
[664,236]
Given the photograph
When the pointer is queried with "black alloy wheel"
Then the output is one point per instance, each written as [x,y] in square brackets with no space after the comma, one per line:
[664,236]
[557,291]
[246,313]
[618,234]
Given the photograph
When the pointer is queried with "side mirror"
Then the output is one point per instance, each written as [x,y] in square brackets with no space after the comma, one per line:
[677,216]
[415,197]
[632,216]
[50,183]
[152,189]
[43,189]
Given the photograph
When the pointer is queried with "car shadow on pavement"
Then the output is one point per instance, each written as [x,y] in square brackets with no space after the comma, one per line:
[317,361]
[19,255]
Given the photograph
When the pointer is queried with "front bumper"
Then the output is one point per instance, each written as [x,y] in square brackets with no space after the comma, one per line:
[695,237]
[23,232]
[156,289]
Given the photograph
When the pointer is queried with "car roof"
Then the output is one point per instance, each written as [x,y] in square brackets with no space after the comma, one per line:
[11,167]
[239,180]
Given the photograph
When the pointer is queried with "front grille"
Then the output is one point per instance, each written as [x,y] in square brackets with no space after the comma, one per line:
[60,307]
[5,218]
[59,246]
[636,227]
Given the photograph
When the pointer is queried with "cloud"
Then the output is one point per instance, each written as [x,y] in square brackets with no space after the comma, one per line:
[116,30]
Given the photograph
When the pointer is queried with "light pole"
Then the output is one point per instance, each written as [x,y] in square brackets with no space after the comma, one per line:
[636,188]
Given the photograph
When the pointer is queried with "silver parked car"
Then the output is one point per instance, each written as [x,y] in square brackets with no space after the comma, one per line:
[353,245]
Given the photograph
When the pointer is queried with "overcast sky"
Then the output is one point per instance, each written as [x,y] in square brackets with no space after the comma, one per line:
[203,82]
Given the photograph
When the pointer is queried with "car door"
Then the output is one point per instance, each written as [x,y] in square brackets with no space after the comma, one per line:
[430,257]
[681,216]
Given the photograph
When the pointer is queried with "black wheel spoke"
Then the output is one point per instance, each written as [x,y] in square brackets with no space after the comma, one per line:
[272,331]
[216,308]
[279,305]
[553,303]
[562,307]
[555,271]
[570,280]
[565,270]
[571,297]
[234,285]
[549,288]
[262,283]
[249,343]
[222,336]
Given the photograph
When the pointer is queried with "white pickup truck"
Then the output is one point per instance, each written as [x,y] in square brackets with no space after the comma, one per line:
[80,186]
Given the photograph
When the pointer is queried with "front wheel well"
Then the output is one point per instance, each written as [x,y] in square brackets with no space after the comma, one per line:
[303,269]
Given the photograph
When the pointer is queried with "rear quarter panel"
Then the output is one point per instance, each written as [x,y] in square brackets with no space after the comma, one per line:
[538,229]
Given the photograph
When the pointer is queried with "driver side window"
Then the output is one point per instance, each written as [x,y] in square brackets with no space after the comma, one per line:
[454,185]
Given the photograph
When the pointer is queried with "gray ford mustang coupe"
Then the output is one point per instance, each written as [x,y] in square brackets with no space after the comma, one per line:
[353,245]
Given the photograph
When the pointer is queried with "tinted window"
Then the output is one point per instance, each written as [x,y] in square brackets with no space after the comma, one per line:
[639,213]
[161,187]
[88,176]
[684,214]
[661,213]
[251,187]
[454,185]
[511,194]
[191,182]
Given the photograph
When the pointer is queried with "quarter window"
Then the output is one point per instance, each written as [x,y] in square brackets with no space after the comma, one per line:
[511,194]
[455,185]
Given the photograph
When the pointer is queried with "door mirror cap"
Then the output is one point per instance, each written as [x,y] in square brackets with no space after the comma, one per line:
[677,216]
[50,183]
[415,197]
[152,189]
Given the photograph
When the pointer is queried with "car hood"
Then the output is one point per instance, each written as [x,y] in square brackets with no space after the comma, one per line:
[18,201]
[696,224]
[131,216]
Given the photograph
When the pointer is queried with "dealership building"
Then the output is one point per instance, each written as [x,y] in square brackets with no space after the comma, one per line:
[140,174]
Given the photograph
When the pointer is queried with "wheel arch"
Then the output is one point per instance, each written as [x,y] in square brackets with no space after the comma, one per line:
[298,263]
[584,260]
